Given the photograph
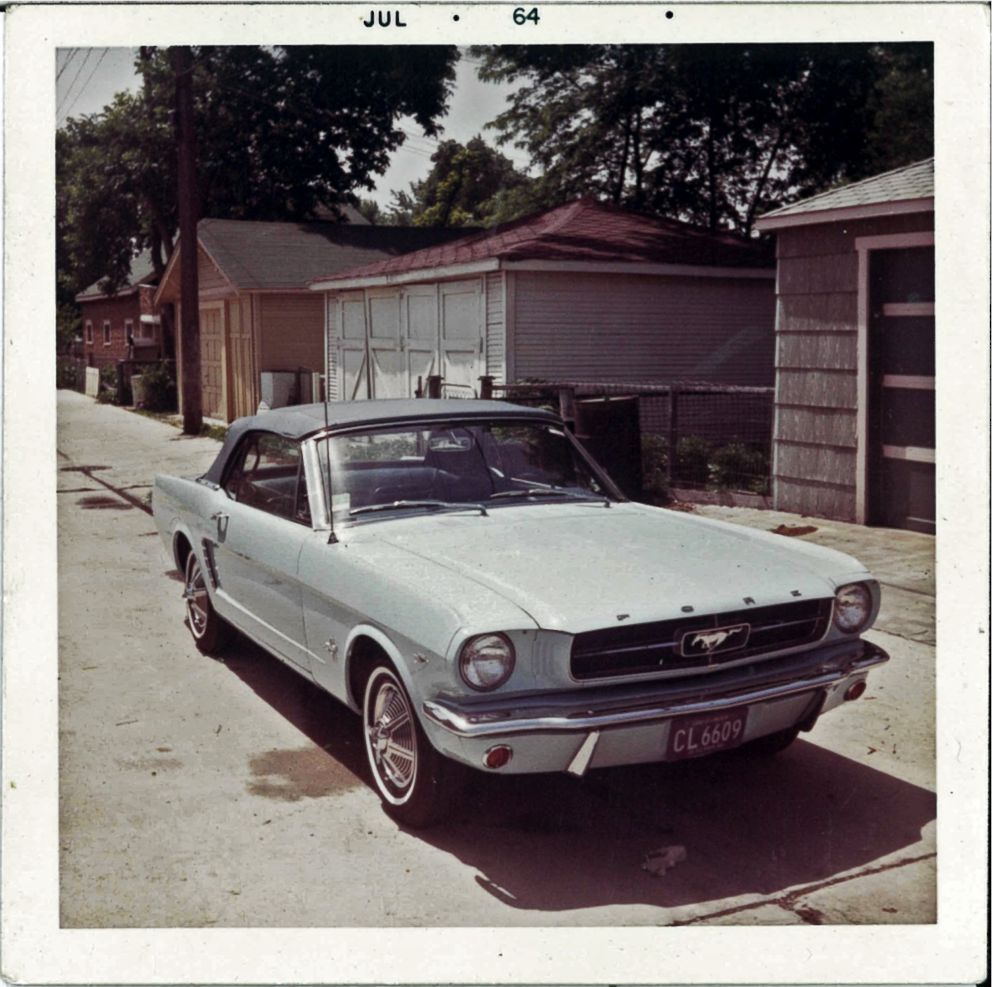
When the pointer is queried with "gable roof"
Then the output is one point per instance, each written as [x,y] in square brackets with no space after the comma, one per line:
[906,189]
[259,256]
[142,272]
[583,232]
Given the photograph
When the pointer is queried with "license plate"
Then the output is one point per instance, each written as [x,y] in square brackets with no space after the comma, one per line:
[694,736]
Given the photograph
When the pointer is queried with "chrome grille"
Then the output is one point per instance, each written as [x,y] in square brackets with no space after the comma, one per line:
[654,647]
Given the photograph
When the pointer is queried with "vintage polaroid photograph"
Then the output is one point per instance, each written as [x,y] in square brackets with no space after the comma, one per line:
[479,487]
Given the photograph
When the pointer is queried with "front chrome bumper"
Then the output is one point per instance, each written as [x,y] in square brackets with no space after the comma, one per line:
[604,707]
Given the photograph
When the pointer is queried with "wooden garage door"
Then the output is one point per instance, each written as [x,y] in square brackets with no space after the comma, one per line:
[212,360]
[901,389]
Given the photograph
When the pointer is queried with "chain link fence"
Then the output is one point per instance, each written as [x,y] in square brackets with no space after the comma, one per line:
[696,437]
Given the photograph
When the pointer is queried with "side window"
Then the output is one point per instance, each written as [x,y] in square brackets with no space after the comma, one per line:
[267,473]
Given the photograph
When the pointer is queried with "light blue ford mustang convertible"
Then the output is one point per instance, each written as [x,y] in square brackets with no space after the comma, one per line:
[464,576]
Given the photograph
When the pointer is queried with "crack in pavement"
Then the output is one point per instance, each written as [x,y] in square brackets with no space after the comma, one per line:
[789,901]
[119,491]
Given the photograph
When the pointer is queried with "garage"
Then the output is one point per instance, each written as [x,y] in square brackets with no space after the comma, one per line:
[583,291]
[855,380]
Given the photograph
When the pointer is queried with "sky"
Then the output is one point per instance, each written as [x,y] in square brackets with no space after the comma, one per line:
[88,78]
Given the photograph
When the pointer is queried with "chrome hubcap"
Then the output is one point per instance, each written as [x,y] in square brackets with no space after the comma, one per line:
[391,737]
[195,595]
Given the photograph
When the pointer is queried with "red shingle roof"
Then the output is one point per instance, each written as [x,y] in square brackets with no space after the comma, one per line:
[584,230]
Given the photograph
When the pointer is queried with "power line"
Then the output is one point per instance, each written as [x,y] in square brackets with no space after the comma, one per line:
[82,65]
[103,55]
[65,64]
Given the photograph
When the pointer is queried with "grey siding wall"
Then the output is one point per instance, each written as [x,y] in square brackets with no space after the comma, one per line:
[817,363]
[495,327]
[644,328]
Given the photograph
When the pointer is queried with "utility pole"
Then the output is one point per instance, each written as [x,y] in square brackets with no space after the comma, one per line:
[192,389]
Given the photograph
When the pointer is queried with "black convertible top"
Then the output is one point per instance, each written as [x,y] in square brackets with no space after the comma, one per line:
[299,421]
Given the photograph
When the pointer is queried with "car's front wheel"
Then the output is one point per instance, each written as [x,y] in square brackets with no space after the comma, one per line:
[414,781]
[209,630]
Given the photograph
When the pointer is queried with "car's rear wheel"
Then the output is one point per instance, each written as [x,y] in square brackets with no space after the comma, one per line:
[414,781]
[209,630]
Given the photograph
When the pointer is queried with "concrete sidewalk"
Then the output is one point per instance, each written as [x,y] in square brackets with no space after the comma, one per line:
[902,561]
[124,449]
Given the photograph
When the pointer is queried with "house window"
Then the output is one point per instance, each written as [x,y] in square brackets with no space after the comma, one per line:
[145,333]
[129,331]
[88,329]
[106,332]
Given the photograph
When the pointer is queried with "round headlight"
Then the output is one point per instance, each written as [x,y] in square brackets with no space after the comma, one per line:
[852,607]
[486,661]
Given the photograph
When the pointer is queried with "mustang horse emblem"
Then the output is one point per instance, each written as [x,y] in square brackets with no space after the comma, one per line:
[719,639]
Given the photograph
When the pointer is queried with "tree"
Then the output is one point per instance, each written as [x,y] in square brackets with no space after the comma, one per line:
[468,185]
[901,109]
[712,134]
[280,132]
[372,211]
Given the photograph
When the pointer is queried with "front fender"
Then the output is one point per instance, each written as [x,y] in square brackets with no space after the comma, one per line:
[392,652]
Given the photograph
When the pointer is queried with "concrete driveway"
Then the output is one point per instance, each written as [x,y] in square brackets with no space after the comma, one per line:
[198,792]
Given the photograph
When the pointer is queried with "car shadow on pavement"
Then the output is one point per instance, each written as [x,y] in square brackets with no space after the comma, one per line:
[749,825]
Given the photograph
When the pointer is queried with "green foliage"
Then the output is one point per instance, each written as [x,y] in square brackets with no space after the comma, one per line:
[280,131]
[654,466]
[68,326]
[711,134]
[692,461]
[373,212]
[469,185]
[107,393]
[70,374]
[740,467]
[901,110]
[160,389]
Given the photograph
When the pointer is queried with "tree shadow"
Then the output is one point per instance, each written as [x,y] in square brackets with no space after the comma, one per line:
[749,825]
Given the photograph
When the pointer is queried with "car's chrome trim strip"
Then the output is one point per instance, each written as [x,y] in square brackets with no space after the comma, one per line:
[502,720]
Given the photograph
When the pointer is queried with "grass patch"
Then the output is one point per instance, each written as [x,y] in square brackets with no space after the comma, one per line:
[217,432]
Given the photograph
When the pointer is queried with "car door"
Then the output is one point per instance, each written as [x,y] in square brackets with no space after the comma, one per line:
[256,544]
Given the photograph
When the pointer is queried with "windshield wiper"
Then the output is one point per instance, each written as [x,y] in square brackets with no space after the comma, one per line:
[434,505]
[551,492]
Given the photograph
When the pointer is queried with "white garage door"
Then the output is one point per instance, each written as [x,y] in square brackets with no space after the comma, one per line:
[386,342]
[461,342]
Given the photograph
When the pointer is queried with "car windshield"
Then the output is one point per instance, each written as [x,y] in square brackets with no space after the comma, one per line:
[454,466]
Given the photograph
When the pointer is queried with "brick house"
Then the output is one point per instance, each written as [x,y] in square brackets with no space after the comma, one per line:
[124,324]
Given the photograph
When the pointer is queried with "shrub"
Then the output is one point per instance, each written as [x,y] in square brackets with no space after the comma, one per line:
[692,461]
[740,467]
[654,468]
[160,389]
[69,374]
[107,393]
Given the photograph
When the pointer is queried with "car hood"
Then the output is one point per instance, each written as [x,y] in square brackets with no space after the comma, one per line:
[575,567]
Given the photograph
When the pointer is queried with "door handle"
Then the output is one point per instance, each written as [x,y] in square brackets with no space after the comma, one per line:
[219,516]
